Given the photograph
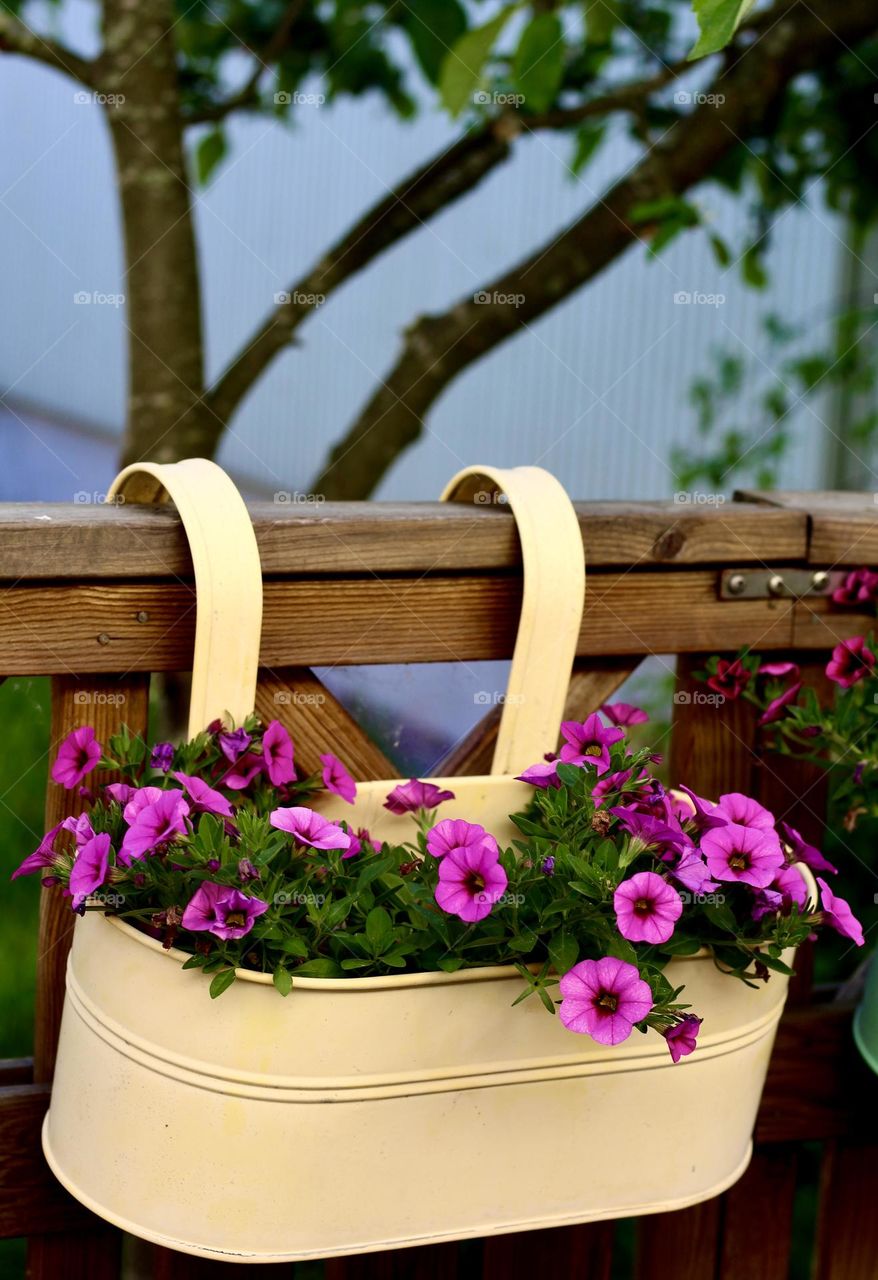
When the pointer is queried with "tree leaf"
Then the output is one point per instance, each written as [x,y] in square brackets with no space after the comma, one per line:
[718,21]
[221,982]
[210,151]
[433,27]
[463,66]
[538,66]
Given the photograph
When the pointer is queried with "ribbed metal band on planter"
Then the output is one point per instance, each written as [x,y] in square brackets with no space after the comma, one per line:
[363,1114]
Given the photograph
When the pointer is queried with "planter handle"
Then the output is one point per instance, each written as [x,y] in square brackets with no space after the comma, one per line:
[551,606]
[228,580]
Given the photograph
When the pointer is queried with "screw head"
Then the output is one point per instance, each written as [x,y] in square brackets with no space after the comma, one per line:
[819,579]
[736,584]
[776,585]
[143,616]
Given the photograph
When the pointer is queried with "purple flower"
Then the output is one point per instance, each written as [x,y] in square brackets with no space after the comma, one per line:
[704,814]
[777,706]
[681,1037]
[471,880]
[154,825]
[43,856]
[90,869]
[851,661]
[162,756]
[308,827]
[860,586]
[121,792]
[740,809]
[603,999]
[140,798]
[609,784]
[543,774]
[548,866]
[651,832]
[621,713]
[746,855]
[337,779]
[589,742]
[729,679]
[804,852]
[647,908]
[234,744]
[838,915]
[692,873]
[243,771]
[277,752]
[779,669]
[248,871]
[455,833]
[202,798]
[78,754]
[221,910]
[410,796]
[767,902]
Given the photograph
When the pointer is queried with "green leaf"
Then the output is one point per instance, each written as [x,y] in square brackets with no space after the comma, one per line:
[772,962]
[320,968]
[463,67]
[195,962]
[282,980]
[433,27]
[721,251]
[221,982]
[294,946]
[210,151]
[601,17]
[589,137]
[753,270]
[538,66]
[450,964]
[379,930]
[718,21]
[563,951]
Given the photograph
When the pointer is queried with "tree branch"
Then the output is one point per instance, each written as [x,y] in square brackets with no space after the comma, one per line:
[437,348]
[15,37]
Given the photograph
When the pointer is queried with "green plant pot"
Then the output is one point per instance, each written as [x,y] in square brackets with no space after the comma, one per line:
[866,1019]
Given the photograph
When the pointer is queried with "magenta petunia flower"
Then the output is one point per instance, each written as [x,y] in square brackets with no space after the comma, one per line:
[851,661]
[791,887]
[729,679]
[221,910]
[622,713]
[308,827]
[650,832]
[647,908]
[202,798]
[155,824]
[746,855]
[239,775]
[543,774]
[43,856]
[860,586]
[456,833]
[603,999]
[471,880]
[838,915]
[78,754]
[234,744]
[777,706]
[121,792]
[740,809]
[140,799]
[589,742]
[692,873]
[681,1037]
[90,869]
[802,851]
[609,784]
[703,813]
[779,669]
[277,752]
[337,779]
[162,756]
[410,796]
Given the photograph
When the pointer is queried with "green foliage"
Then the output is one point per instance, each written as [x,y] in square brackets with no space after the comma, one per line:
[538,66]
[718,21]
[463,71]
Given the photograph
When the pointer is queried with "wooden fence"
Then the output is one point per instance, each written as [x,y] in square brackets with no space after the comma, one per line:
[100,597]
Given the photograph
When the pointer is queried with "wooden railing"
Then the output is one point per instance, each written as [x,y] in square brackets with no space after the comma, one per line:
[100,597]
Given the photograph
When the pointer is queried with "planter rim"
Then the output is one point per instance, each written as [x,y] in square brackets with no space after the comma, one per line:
[389,981]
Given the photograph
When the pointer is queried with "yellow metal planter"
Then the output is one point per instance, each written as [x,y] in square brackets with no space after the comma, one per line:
[371,1113]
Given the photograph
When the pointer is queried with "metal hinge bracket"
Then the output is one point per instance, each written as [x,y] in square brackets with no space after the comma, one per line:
[778,584]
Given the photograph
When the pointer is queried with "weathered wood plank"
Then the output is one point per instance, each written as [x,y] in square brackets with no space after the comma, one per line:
[843,525]
[590,684]
[712,738]
[585,1251]
[758,1218]
[318,723]
[847,1230]
[94,541]
[133,627]
[681,1245]
[30,1198]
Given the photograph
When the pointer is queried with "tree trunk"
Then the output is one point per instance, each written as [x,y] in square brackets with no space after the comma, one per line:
[137,70]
